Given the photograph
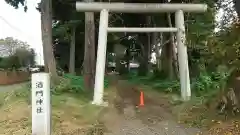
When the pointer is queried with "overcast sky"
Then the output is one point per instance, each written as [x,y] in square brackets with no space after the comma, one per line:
[25,26]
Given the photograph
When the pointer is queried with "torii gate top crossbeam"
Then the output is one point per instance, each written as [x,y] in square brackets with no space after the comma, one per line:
[139,7]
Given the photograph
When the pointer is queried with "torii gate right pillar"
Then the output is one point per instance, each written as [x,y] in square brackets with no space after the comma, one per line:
[182,56]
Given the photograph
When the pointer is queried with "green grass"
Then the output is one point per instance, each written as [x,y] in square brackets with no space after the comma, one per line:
[77,82]
[70,112]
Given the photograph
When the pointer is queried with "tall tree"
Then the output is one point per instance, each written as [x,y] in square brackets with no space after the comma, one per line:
[72,51]
[46,21]
[89,53]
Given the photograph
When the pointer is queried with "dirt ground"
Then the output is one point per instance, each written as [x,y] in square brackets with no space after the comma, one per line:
[158,116]
[124,117]
[71,114]
[12,87]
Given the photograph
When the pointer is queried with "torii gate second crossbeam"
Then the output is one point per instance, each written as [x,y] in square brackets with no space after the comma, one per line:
[105,8]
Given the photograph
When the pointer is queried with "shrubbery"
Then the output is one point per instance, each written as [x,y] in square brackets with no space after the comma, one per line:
[207,83]
[73,84]
[9,62]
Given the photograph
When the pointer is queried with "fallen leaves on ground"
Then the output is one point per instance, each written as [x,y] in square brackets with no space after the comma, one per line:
[227,128]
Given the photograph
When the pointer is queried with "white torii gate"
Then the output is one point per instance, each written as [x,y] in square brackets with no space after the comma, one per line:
[105,8]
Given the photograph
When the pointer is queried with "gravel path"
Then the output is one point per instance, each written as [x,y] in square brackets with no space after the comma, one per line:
[12,87]
[152,119]
[128,124]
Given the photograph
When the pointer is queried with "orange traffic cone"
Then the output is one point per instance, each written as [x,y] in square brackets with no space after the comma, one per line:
[141,99]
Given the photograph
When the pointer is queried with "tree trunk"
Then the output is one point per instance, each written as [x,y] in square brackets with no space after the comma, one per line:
[158,54]
[89,57]
[157,48]
[46,18]
[43,35]
[119,51]
[166,58]
[72,52]
[143,68]
[171,46]
[149,45]
[175,62]
[128,57]
[118,64]
[145,38]
[167,53]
